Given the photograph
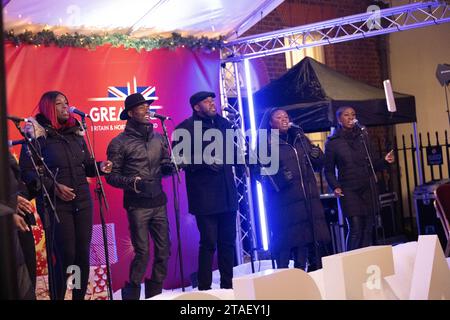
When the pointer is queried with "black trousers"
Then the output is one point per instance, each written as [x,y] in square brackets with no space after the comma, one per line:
[360,232]
[143,221]
[25,288]
[216,231]
[26,240]
[359,207]
[71,245]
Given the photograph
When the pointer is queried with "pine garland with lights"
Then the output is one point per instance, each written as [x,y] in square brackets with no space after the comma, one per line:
[48,37]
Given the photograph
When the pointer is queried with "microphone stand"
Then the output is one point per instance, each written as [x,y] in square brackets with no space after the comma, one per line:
[307,200]
[32,152]
[373,183]
[176,200]
[101,196]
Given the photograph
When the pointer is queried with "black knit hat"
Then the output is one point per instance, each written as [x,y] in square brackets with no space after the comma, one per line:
[200,96]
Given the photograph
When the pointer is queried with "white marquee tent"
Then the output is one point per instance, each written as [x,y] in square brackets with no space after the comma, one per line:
[138,18]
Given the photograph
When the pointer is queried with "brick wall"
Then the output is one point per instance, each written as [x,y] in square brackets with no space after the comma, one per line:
[276,64]
[363,60]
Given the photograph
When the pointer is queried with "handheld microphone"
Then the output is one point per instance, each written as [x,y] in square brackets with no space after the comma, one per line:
[230,110]
[17,119]
[12,143]
[293,125]
[78,112]
[153,114]
[358,124]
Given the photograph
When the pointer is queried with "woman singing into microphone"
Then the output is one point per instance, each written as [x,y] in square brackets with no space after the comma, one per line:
[59,139]
[296,218]
[346,151]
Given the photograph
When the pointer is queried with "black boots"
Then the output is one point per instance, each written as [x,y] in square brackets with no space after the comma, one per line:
[152,288]
[131,292]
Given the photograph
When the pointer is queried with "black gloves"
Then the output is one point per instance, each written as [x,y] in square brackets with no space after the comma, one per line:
[315,152]
[287,174]
[168,169]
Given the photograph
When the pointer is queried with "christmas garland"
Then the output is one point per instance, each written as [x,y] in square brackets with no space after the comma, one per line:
[48,37]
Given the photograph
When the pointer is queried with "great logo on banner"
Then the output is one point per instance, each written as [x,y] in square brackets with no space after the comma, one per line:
[107,114]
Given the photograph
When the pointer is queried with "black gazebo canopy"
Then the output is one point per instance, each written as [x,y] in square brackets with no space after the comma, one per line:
[311,92]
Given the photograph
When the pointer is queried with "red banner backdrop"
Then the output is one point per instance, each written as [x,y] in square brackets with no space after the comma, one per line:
[97,82]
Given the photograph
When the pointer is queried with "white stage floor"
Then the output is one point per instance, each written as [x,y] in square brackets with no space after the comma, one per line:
[238,271]
[225,294]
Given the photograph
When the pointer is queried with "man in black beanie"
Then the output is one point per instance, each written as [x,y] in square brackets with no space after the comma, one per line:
[212,194]
[140,160]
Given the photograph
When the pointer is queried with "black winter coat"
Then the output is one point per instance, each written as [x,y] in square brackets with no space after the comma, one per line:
[345,151]
[138,152]
[24,285]
[66,155]
[289,220]
[209,191]
[18,187]
[14,178]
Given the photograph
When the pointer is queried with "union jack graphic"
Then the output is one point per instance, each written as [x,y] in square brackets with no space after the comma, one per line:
[116,93]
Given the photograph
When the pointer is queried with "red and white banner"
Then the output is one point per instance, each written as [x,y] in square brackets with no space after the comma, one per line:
[97,82]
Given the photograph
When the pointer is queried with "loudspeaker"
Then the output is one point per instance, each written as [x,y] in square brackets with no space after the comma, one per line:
[443,74]
[330,208]
[388,214]
[427,220]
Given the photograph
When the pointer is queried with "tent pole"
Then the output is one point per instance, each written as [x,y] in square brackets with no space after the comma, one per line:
[419,159]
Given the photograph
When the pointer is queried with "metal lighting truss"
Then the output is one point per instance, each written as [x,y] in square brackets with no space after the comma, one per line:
[245,240]
[369,24]
[359,26]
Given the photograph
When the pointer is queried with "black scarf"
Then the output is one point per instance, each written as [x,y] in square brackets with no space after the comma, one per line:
[351,136]
[137,128]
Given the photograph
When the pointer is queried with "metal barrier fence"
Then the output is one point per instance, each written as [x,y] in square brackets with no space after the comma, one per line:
[434,159]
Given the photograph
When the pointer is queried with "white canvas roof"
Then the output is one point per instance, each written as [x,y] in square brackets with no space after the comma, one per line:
[138,18]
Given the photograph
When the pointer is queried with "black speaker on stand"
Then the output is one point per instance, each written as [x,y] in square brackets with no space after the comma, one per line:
[443,76]
[331,210]
[426,217]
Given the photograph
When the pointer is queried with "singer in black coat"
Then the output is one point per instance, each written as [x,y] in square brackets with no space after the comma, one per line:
[355,182]
[211,190]
[295,213]
[59,139]
[140,160]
